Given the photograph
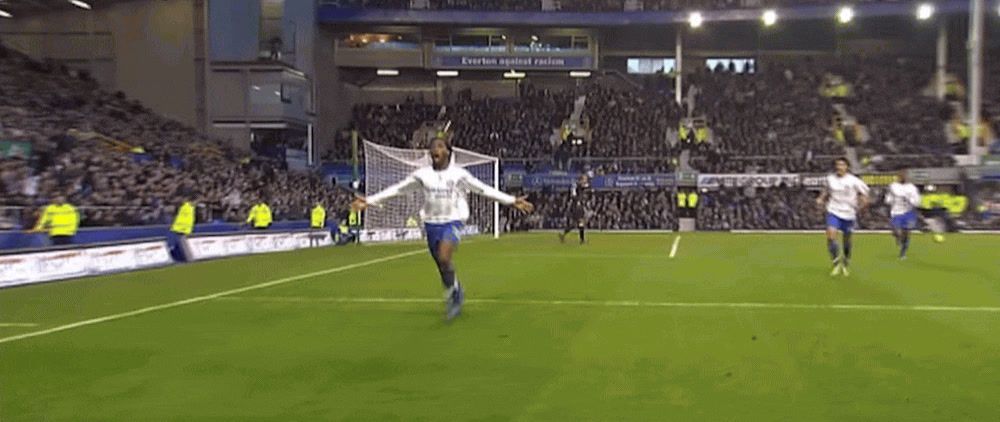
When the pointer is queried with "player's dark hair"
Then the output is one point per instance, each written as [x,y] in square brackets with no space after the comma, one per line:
[447,143]
[844,159]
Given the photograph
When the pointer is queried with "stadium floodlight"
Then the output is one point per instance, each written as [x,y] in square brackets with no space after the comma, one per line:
[695,19]
[579,74]
[845,14]
[387,72]
[80,3]
[513,74]
[925,11]
[769,17]
[447,73]
[5,14]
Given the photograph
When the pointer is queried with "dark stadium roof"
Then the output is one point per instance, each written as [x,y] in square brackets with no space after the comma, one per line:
[30,7]
[329,13]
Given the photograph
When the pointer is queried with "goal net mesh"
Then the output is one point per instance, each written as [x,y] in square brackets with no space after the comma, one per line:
[385,166]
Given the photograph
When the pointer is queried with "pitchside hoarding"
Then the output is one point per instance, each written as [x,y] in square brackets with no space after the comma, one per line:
[36,267]
[217,246]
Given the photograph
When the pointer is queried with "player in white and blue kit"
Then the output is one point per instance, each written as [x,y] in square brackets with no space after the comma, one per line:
[445,186]
[844,196]
[903,199]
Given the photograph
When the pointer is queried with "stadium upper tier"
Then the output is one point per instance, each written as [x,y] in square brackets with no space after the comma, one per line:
[591,13]
[580,5]
[781,118]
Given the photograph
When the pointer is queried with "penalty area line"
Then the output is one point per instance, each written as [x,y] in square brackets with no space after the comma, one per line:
[204,298]
[17,324]
[620,303]
[673,249]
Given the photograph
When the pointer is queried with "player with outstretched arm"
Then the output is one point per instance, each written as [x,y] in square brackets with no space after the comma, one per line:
[844,196]
[445,186]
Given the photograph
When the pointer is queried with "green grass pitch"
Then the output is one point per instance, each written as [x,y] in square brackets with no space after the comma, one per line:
[735,327]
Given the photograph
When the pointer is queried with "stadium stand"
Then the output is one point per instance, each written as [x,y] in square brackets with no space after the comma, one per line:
[126,165]
[123,164]
[606,210]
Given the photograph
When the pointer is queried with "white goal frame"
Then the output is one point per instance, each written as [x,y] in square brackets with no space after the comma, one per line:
[408,160]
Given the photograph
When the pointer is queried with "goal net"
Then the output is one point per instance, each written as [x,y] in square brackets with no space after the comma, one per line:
[385,166]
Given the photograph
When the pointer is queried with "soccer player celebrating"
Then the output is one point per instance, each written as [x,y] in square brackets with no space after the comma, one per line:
[844,195]
[445,186]
[903,198]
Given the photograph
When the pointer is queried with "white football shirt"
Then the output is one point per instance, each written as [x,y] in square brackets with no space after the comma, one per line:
[902,198]
[844,192]
[445,193]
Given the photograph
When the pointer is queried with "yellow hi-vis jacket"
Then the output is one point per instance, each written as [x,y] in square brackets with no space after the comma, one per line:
[681,199]
[60,219]
[260,215]
[354,219]
[701,134]
[184,221]
[692,200]
[318,218]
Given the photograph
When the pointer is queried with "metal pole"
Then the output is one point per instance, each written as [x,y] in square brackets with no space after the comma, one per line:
[496,205]
[942,58]
[354,156]
[975,72]
[309,144]
[679,65]
[93,45]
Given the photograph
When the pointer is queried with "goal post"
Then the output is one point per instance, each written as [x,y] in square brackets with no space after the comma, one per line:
[385,166]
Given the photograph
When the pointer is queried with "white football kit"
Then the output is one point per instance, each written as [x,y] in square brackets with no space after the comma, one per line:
[445,193]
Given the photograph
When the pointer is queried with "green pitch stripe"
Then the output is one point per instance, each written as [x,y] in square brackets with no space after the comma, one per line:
[204,298]
[626,303]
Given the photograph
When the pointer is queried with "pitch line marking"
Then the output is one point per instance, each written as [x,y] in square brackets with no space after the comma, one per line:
[673,249]
[17,324]
[622,303]
[204,298]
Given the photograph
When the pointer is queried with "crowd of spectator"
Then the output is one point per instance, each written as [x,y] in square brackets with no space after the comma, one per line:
[779,208]
[125,164]
[510,127]
[775,112]
[783,208]
[122,163]
[770,121]
[888,101]
[629,123]
[605,210]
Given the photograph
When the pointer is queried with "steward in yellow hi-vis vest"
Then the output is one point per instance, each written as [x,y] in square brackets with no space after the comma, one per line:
[184,221]
[260,216]
[317,222]
[354,225]
[317,219]
[61,220]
